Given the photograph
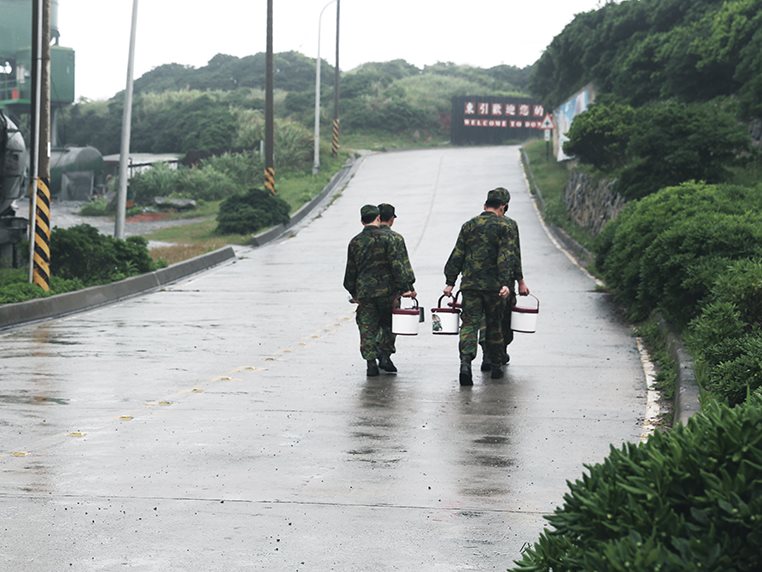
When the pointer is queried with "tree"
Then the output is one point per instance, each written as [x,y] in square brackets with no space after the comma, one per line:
[673,142]
[599,136]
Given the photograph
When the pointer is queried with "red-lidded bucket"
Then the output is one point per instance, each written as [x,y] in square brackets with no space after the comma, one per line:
[524,318]
[446,320]
[405,320]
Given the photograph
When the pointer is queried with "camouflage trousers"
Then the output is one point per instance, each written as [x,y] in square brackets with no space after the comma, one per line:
[386,339]
[374,320]
[478,305]
[505,325]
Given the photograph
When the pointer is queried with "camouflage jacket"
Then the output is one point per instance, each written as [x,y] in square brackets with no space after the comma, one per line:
[374,266]
[484,254]
[401,249]
[518,273]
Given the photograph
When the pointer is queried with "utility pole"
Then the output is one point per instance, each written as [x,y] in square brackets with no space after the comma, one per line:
[316,153]
[269,118]
[124,153]
[39,203]
[336,124]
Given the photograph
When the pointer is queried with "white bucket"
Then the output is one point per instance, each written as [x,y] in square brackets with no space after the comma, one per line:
[405,320]
[446,320]
[524,319]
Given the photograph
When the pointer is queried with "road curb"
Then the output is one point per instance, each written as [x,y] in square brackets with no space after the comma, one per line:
[71,302]
[686,401]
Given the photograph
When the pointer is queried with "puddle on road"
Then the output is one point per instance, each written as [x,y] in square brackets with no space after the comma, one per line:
[32,400]
[494,461]
[492,440]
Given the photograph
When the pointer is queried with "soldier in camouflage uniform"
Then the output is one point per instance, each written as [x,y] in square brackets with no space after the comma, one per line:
[374,275]
[484,256]
[523,290]
[386,338]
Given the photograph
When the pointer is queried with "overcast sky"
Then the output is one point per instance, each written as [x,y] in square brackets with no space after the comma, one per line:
[481,33]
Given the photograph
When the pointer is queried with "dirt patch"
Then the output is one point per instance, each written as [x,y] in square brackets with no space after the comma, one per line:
[148,217]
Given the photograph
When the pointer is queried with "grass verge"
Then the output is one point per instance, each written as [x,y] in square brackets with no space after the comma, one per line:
[548,178]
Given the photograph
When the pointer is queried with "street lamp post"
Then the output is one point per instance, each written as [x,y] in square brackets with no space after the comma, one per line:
[124,153]
[316,162]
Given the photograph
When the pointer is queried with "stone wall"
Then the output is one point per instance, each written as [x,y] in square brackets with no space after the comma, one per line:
[591,202]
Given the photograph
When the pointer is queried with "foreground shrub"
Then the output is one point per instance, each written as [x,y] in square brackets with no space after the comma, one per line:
[250,212]
[83,253]
[15,286]
[686,500]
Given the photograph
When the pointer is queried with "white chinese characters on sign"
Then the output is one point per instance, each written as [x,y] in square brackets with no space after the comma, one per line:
[494,113]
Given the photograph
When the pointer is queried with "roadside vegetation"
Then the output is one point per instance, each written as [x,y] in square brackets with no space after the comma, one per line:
[679,91]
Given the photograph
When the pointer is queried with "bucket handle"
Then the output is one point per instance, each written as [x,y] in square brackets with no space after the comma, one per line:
[533,296]
[398,300]
[451,304]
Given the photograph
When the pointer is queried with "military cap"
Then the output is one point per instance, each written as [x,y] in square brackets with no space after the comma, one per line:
[500,195]
[386,211]
[368,211]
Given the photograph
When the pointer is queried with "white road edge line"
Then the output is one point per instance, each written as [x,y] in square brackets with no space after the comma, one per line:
[653,409]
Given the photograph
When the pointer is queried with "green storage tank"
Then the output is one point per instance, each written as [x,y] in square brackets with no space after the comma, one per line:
[16,57]
[16,25]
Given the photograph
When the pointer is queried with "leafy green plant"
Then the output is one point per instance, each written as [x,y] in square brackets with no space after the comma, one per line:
[726,337]
[622,245]
[83,254]
[247,213]
[679,267]
[672,142]
[600,135]
[685,500]
[15,286]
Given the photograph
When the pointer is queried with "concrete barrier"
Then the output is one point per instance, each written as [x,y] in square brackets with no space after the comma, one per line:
[71,302]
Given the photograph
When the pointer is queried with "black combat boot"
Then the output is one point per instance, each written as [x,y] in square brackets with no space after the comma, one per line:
[465,372]
[486,365]
[496,372]
[385,363]
[372,368]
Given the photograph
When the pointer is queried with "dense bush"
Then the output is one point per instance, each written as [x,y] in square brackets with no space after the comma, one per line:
[686,500]
[210,181]
[726,337]
[82,253]
[247,213]
[158,181]
[622,246]
[679,267]
[15,286]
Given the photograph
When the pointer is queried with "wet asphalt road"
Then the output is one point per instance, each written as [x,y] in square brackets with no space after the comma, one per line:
[226,423]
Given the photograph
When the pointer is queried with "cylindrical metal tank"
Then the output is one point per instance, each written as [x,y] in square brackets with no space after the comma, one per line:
[73,172]
[12,163]
[16,25]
